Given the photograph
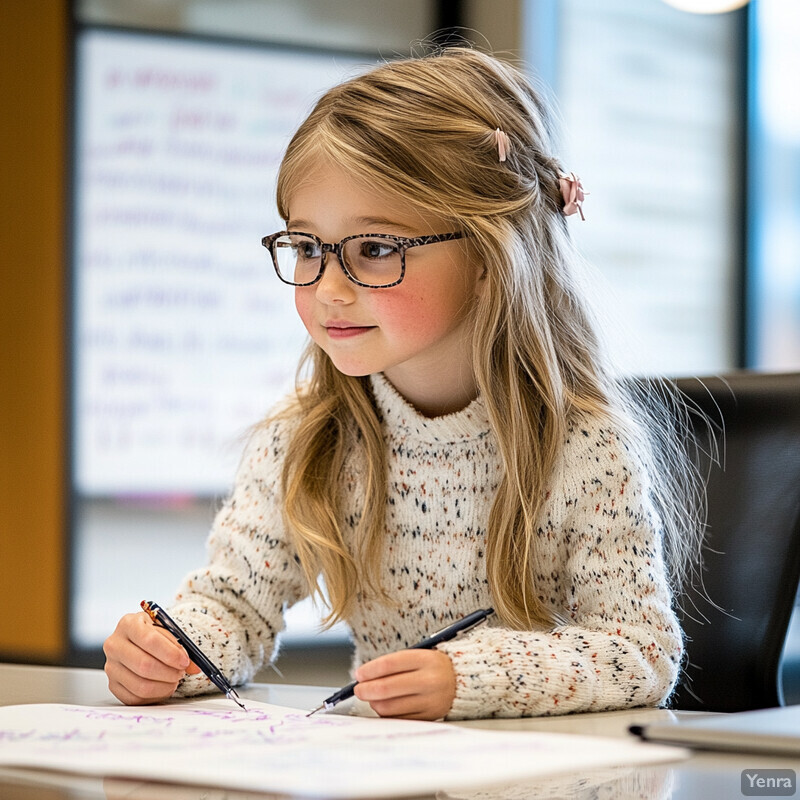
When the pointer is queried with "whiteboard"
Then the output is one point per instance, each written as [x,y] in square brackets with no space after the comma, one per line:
[183,336]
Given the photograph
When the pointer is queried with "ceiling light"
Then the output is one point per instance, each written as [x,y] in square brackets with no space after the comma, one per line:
[706,6]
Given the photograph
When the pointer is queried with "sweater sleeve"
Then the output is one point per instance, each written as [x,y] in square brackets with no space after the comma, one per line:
[600,566]
[233,607]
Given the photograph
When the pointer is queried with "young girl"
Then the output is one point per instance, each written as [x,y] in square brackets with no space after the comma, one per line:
[458,442]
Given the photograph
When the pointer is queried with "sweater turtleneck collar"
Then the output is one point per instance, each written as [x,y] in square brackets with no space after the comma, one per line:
[401,419]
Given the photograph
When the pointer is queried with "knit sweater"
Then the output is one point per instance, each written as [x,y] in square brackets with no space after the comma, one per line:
[599,565]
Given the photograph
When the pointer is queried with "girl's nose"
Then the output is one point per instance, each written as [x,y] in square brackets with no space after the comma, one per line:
[334,286]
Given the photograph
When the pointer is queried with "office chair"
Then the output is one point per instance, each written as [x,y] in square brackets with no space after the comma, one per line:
[736,624]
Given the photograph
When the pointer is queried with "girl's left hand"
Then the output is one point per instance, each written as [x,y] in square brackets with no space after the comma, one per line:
[410,684]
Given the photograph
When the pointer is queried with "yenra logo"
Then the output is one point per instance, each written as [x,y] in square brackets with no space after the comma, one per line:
[769,782]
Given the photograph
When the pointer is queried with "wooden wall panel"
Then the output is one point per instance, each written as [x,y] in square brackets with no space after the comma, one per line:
[33,125]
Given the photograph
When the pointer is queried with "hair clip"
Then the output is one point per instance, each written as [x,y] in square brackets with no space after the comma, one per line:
[503,144]
[573,193]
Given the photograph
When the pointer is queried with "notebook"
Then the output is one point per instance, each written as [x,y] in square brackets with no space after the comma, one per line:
[770,730]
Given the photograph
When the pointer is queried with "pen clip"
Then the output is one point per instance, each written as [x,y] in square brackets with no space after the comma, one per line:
[150,611]
[160,618]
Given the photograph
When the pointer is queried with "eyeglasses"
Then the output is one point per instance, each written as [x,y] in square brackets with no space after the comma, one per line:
[375,261]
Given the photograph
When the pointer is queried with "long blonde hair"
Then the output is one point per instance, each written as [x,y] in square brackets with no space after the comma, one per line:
[422,129]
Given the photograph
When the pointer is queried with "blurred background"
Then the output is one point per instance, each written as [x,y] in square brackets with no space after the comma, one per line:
[143,331]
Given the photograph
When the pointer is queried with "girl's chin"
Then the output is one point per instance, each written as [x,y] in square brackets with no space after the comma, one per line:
[353,370]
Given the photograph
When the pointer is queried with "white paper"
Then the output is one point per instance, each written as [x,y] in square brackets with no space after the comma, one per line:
[275,749]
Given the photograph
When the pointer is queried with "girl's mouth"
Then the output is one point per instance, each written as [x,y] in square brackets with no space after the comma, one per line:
[346,330]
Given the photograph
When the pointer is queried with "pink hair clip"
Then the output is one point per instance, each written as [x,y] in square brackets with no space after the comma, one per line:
[573,193]
[503,144]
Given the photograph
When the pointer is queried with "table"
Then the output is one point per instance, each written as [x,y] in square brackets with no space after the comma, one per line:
[705,776]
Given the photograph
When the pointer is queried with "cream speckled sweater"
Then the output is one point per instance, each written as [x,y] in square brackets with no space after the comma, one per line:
[600,565]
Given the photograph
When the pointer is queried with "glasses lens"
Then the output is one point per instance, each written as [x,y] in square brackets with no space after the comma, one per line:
[373,260]
[297,258]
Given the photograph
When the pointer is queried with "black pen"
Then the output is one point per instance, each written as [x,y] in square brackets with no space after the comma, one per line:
[164,620]
[444,635]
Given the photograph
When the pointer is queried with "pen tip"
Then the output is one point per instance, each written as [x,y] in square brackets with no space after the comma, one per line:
[318,708]
[231,695]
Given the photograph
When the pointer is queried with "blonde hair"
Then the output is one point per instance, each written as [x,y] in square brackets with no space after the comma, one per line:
[422,129]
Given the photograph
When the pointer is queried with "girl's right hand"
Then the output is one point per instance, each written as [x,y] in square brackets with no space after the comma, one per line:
[143,661]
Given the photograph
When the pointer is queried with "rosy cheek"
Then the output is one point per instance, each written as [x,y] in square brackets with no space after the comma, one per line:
[303,302]
[408,313]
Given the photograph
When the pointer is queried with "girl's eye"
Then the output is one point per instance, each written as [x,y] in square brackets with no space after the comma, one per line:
[307,249]
[377,249]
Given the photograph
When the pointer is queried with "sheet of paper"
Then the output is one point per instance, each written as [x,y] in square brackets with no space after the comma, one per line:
[275,749]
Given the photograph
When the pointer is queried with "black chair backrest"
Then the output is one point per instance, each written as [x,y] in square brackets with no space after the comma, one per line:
[735,637]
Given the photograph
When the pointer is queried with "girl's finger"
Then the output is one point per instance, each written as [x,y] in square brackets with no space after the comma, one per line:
[132,688]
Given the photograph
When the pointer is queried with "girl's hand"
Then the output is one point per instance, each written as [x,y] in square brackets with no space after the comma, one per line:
[143,661]
[411,684]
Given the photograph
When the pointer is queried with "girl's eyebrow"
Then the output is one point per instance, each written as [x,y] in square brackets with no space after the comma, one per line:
[386,223]
[367,222]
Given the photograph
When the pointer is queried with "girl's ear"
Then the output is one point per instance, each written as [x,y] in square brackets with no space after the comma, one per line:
[476,268]
[480,283]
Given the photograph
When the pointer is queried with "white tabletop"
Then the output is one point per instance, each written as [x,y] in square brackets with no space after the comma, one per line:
[703,775]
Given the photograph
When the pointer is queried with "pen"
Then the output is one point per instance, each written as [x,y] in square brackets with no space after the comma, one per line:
[161,618]
[444,635]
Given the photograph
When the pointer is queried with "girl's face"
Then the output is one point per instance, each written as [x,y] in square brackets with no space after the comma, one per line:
[417,333]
